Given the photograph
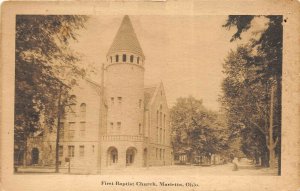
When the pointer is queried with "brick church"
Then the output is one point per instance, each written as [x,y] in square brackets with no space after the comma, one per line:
[120,123]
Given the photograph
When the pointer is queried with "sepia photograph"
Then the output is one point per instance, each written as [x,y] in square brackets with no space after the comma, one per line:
[148,94]
[172,95]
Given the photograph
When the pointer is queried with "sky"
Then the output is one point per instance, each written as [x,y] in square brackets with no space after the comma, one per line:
[186,53]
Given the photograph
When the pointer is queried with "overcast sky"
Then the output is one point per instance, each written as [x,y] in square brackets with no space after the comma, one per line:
[186,53]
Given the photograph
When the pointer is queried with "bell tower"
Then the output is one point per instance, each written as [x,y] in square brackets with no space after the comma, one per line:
[125,83]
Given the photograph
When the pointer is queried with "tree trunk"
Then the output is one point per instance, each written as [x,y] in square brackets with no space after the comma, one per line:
[256,158]
[265,159]
[25,149]
[278,115]
[271,144]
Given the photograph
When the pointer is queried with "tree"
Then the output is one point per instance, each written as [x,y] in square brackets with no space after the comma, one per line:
[245,99]
[269,49]
[261,66]
[196,130]
[45,69]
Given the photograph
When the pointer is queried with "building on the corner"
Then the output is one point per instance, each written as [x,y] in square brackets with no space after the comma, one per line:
[122,124]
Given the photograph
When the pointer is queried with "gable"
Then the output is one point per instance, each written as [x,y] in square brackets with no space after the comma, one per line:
[148,94]
[158,97]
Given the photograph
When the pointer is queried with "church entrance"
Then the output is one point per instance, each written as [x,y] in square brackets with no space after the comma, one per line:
[34,156]
[130,155]
[112,154]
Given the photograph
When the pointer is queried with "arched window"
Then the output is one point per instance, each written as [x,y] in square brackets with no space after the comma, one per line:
[130,156]
[164,121]
[160,119]
[131,58]
[124,57]
[157,134]
[82,111]
[119,125]
[138,60]
[112,156]
[117,58]
[157,114]
[160,135]
[164,136]
[140,128]
[111,59]
[72,108]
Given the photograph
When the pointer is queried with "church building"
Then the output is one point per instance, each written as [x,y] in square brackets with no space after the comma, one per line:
[119,123]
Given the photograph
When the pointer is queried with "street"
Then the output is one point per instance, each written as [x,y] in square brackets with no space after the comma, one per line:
[217,170]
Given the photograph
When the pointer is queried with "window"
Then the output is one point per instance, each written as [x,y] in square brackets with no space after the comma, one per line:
[71,130]
[61,130]
[112,100]
[140,103]
[72,108]
[71,149]
[124,57]
[164,121]
[160,153]
[160,135]
[50,148]
[82,111]
[156,154]
[160,119]
[117,58]
[163,154]
[72,114]
[140,129]
[93,148]
[61,151]
[131,58]
[111,125]
[119,125]
[81,150]
[138,60]
[157,117]
[120,99]
[157,134]
[164,136]
[82,129]
[111,59]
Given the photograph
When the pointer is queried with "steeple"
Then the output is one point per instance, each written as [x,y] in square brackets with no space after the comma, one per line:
[126,39]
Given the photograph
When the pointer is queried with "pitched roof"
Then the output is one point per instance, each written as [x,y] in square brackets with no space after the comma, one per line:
[126,39]
[148,94]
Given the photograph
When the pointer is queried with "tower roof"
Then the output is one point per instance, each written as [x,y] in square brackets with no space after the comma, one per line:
[126,39]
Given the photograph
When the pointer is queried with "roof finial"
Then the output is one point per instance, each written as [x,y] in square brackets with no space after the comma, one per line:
[126,39]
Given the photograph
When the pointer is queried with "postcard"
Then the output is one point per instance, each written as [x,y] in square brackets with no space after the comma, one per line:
[150,95]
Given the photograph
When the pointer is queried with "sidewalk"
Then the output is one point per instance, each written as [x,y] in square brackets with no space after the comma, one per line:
[175,170]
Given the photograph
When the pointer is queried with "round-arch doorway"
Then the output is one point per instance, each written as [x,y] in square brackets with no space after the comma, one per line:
[112,154]
[130,156]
